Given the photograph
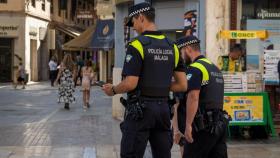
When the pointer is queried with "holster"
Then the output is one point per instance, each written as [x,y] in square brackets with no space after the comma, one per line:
[199,122]
[134,107]
[217,121]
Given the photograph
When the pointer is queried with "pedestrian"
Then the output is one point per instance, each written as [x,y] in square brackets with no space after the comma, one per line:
[21,75]
[206,122]
[151,61]
[234,62]
[87,75]
[66,75]
[53,69]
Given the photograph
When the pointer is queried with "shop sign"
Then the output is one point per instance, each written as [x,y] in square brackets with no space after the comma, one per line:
[104,8]
[268,14]
[246,109]
[85,14]
[237,34]
[33,33]
[9,30]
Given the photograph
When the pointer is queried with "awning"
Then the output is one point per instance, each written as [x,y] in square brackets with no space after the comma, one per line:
[81,42]
[103,37]
[68,30]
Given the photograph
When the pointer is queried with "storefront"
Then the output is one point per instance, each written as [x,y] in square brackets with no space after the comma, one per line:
[256,26]
[11,37]
[23,40]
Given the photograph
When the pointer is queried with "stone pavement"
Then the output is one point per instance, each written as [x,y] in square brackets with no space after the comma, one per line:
[33,125]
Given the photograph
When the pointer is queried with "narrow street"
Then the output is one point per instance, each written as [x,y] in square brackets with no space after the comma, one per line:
[33,125]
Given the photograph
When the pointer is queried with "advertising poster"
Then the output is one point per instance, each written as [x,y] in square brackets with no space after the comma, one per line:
[190,23]
[244,109]
[255,47]
[270,65]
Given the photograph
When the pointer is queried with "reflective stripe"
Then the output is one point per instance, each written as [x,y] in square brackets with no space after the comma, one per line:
[176,55]
[206,60]
[137,45]
[156,36]
[205,74]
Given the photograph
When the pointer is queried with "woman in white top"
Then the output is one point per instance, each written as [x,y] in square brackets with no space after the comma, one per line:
[88,75]
[53,70]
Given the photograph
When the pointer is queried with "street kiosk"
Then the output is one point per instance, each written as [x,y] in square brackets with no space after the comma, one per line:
[244,99]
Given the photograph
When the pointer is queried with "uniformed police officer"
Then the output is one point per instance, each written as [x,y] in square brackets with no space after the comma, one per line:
[151,61]
[206,122]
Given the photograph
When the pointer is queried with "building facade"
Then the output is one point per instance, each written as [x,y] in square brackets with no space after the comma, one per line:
[31,31]
[23,38]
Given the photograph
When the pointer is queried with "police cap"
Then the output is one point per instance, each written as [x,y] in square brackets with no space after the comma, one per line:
[137,9]
[185,41]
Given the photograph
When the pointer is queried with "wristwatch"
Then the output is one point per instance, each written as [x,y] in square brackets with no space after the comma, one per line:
[113,90]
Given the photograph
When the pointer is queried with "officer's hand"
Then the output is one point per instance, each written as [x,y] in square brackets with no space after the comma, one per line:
[188,133]
[107,88]
[177,136]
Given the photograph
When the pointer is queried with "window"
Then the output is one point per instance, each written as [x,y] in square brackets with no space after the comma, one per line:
[51,7]
[33,3]
[43,5]
[58,6]
[3,1]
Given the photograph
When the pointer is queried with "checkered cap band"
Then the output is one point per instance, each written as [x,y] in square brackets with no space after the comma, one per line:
[139,11]
[187,43]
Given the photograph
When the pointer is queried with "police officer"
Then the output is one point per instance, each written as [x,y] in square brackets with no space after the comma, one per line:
[206,123]
[151,61]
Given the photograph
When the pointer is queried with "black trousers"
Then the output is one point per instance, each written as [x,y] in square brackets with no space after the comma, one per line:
[53,75]
[207,145]
[154,127]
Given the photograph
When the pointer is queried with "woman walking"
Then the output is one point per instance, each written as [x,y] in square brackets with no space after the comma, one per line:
[87,75]
[66,75]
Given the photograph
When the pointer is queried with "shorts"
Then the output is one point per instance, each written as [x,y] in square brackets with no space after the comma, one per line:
[20,79]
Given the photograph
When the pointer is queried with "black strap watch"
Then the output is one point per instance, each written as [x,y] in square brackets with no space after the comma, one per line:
[113,90]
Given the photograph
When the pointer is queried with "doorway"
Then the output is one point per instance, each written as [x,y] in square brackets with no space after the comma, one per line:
[6,59]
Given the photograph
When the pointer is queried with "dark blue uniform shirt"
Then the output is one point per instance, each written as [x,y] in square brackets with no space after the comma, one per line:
[194,77]
[133,61]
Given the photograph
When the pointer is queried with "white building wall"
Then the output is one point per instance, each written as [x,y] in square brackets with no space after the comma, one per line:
[37,10]
[217,19]
[32,23]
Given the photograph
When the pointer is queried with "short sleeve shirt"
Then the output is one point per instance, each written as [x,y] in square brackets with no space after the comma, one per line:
[194,77]
[133,60]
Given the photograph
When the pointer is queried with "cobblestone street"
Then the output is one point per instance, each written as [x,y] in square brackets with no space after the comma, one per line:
[33,125]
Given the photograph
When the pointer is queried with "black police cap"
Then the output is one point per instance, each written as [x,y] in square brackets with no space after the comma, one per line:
[137,9]
[185,41]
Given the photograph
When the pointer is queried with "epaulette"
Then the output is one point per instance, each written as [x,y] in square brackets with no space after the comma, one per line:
[144,40]
[169,41]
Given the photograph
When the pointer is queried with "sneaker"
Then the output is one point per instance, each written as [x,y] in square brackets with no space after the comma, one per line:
[23,87]
[84,106]
[88,105]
